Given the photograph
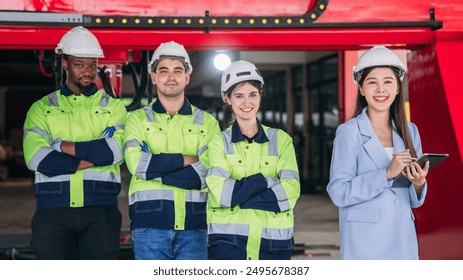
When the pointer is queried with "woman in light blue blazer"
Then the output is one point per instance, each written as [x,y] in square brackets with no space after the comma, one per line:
[370,151]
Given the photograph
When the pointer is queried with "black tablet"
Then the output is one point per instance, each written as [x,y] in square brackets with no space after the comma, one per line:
[434,160]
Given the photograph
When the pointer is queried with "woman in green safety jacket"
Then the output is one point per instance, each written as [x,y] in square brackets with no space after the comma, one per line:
[253,179]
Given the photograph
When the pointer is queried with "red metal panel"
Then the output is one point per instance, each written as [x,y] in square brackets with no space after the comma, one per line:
[435,103]
[385,10]
[450,59]
[338,11]
[346,87]
[328,39]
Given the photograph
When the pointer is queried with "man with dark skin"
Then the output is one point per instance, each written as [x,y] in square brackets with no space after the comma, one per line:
[73,142]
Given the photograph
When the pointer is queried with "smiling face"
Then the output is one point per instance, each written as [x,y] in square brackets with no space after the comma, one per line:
[245,101]
[81,72]
[380,88]
[170,77]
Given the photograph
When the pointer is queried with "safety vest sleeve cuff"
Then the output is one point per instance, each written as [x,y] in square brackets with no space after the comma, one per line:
[163,164]
[186,178]
[266,200]
[247,187]
[97,152]
[56,163]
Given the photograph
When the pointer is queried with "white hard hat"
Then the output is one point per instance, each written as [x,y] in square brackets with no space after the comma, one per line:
[239,71]
[378,56]
[170,49]
[79,42]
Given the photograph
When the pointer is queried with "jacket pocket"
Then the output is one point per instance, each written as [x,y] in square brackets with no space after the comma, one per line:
[198,207]
[192,137]
[106,187]
[49,188]
[156,137]
[223,238]
[148,206]
[365,215]
[268,166]
[99,119]
[58,119]
[281,245]
[238,165]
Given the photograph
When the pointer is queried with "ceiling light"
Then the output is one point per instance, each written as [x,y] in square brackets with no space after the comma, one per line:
[222,61]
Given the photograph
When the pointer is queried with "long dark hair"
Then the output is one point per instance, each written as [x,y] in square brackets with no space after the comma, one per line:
[396,112]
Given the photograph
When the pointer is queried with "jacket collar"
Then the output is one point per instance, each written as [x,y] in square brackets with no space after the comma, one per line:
[371,142]
[88,92]
[238,136]
[185,110]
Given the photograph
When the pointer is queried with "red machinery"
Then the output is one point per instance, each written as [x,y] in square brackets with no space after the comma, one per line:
[432,32]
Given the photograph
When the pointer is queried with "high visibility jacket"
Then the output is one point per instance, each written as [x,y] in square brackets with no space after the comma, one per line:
[163,194]
[82,119]
[253,190]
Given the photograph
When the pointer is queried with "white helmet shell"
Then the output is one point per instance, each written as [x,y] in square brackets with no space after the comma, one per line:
[79,42]
[378,56]
[239,71]
[170,49]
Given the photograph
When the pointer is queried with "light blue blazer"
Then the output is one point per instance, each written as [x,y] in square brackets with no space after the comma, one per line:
[375,219]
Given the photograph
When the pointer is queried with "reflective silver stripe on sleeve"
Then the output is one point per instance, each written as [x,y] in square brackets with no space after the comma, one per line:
[104,99]
[277,233]
[202,150]
[198,116]
[39,132]
[38,157]
[40,178]
[238,229]
[273,142]
[271,181]
[281,196]
[196,197]
[131,143]
[288,174]
[151,195]
[228,146]
[143,164]
[217,171]
[149,113]
[227,192]
[119,126]
[114,146]
[201,170]
[53,99]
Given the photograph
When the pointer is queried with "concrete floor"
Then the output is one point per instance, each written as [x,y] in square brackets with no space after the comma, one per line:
[316,221]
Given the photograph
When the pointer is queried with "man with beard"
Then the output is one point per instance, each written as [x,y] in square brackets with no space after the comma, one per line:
[73,142]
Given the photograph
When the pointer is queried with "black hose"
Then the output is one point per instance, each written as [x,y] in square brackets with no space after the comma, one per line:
[58,72]
[134,74]
[140,91]
[106,83]
[150,91]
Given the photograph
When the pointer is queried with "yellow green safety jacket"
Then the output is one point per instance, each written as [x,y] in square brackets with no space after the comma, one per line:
[253,190]
[163,194]
[95,122]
